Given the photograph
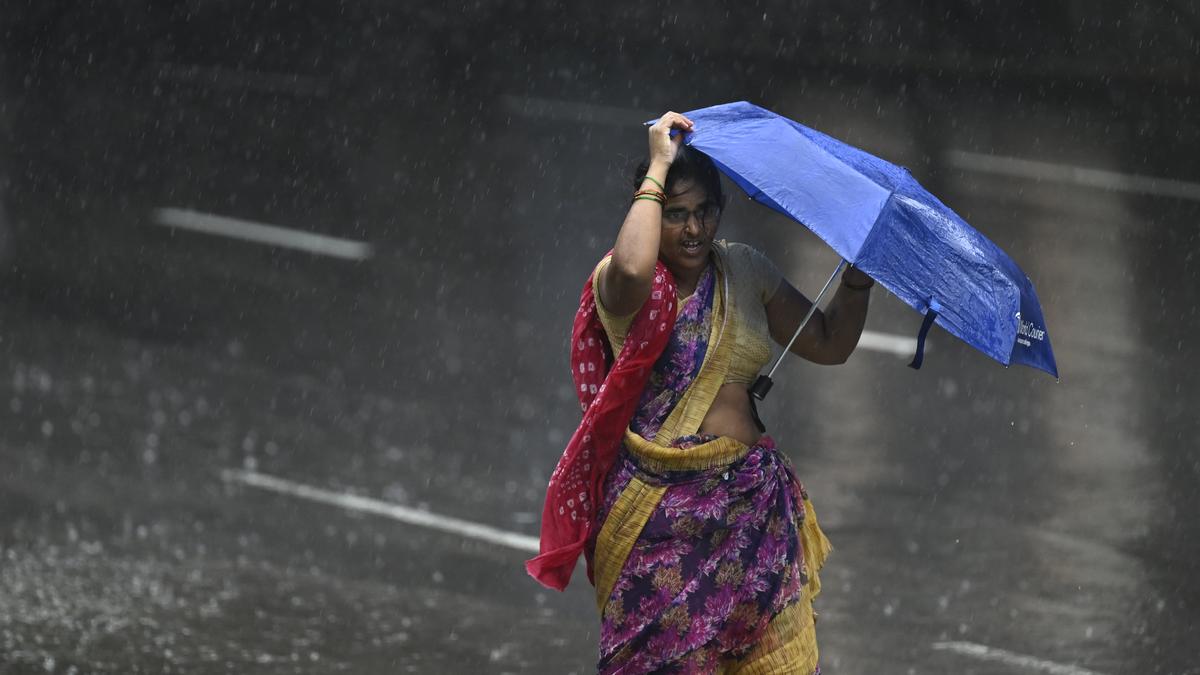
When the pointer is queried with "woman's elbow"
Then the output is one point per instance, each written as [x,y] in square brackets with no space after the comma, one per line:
[822,357]
[629,273]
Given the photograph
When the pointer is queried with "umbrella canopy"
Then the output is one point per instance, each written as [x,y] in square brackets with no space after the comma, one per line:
[876,216]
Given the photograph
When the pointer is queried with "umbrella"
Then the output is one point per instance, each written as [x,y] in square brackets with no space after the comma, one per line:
[876,216]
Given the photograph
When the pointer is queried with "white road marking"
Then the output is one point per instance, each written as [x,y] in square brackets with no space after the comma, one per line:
[985,653]
[1073,175]
[404,514]
[888,343]
[262,233]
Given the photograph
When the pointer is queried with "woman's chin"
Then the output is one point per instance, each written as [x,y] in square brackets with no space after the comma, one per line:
[682,259]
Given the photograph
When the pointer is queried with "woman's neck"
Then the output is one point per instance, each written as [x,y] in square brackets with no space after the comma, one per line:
[686,281]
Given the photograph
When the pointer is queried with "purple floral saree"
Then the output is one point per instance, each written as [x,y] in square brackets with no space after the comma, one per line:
[705,550]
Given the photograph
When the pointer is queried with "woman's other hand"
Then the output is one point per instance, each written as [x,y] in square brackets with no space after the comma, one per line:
[662,146]
[857,279]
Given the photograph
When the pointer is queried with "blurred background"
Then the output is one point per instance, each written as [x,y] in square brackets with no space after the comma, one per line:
[338,246]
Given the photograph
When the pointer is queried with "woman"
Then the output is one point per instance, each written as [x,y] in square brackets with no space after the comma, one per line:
[702,545]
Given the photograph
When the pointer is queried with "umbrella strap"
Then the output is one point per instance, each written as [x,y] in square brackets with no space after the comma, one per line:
[930,315]
[762,428]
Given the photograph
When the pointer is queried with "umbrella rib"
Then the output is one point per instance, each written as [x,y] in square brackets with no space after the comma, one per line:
[811,310]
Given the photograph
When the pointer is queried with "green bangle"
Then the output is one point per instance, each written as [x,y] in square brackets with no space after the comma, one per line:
[660,185]
[647,198]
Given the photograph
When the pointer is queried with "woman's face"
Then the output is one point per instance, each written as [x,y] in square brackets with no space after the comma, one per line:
[689,225]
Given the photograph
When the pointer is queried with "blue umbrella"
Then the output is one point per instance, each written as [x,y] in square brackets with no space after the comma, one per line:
[877,217]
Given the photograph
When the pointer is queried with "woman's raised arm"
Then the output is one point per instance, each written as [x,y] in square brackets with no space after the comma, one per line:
[625,284]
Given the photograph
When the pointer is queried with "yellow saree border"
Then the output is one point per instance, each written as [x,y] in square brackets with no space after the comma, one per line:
[655,458]
[620,531]
[816,548]
[639,499]
[688,414]
[789,645]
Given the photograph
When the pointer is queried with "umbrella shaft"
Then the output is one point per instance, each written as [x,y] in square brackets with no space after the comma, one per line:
[811,310]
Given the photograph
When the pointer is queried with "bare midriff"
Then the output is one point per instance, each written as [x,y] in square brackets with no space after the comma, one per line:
[730,415]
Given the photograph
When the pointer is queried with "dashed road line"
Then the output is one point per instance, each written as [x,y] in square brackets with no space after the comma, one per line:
[527,544]
[1073,175]
[986,653]
[888,343]
[404,514]
[262,233]
[1017,167]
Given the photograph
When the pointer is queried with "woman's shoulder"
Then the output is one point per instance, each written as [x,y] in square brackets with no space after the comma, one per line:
[740,254]
[750,269]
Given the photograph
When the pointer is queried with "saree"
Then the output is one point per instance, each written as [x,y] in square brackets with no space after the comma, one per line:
[703,551]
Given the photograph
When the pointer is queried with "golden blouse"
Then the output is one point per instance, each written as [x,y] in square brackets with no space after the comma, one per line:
[752,282]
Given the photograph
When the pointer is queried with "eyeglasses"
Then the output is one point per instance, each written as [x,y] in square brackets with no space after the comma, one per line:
[706,216]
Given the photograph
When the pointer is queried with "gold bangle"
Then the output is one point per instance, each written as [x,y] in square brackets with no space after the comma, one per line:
[653,194]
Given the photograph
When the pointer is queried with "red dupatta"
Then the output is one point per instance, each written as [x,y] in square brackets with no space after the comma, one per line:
[608,394]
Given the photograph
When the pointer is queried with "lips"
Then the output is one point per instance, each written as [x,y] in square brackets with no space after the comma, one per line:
[692,246]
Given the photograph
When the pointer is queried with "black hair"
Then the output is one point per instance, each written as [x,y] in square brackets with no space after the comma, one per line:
[690,165]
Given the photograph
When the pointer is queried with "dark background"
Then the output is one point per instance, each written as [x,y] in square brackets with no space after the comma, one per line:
[483,150]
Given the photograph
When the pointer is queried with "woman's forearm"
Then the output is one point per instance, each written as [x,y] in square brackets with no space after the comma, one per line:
[625,283]
[844,318]
[636,250]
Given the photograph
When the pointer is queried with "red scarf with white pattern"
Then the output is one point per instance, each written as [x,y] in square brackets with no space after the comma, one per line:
[608,392]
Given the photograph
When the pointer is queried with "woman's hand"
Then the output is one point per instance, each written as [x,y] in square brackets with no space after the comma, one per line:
[857,279]
[662,147]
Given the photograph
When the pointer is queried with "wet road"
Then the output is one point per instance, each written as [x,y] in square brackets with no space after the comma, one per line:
[986,520]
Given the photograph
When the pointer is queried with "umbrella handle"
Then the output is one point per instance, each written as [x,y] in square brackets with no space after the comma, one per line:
[763,384]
